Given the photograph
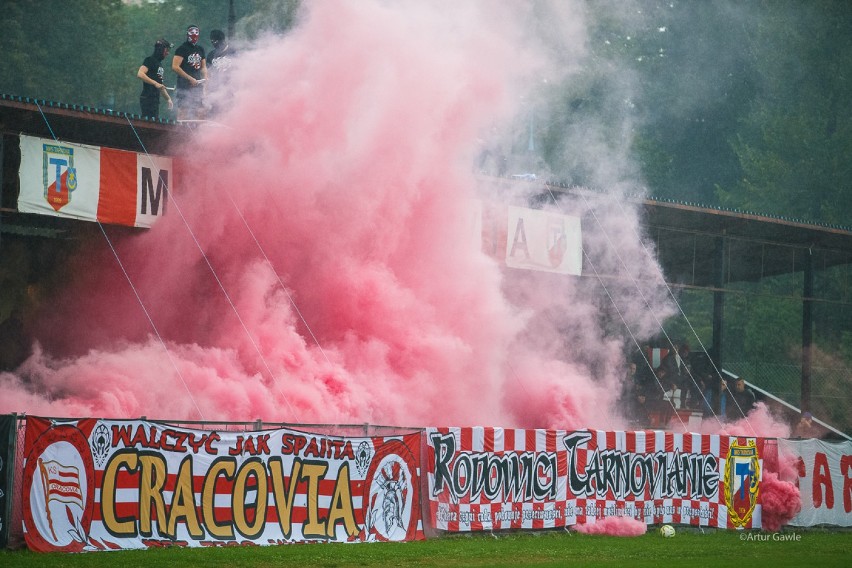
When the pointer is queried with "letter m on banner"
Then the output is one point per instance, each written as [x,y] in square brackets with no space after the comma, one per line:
[155,187]
[154,180]
[134,187]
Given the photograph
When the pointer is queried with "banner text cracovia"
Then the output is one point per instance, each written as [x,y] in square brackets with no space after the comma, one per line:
[105,484]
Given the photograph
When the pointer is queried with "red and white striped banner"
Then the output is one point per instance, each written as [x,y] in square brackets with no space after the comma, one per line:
[106,484]
[495,479]
[92,183]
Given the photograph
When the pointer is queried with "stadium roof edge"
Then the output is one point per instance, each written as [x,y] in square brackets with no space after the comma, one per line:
[52,106]
[650,199]
[86,125]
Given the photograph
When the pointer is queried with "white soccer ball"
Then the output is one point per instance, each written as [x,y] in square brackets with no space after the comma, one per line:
[667,531]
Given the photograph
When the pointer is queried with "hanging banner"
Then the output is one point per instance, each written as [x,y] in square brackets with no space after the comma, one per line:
[825,481]
[544,240]
[92,183]
[498,479]
[8,437]
[106,484]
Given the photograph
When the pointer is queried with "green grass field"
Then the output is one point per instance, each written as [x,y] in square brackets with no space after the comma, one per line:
[690,548]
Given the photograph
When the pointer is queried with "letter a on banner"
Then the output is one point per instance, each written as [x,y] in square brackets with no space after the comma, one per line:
[544,240]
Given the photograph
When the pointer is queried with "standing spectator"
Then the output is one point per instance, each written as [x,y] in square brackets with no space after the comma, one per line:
[724,399]
[672,395]
[701,397]
[221,56]
[677,365]
[151,75]
[190,64]
[806,427]
[219,62]
[741,400]
[630,382]
[638,411]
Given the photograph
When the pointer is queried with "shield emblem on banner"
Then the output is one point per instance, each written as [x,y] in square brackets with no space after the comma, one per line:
[742,481]
[59,175]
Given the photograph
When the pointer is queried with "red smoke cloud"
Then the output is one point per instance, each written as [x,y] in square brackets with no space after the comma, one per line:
[780,499]
[779,491]
[613,526]
[315,264]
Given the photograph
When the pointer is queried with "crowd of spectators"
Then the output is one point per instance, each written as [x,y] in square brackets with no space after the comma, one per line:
[651,394]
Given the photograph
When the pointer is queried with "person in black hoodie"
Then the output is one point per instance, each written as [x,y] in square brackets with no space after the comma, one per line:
[151,75]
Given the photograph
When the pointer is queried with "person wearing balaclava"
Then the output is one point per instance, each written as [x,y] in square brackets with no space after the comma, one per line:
[151,75]
[190,65]
[219,62]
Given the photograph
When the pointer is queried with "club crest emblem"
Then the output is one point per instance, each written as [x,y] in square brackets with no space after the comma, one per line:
[59,489]
[742,481]
[59,175]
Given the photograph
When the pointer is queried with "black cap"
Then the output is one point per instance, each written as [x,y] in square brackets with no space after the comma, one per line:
[217,35]
[164,42]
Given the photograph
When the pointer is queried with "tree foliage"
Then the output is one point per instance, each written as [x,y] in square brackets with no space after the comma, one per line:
[88,52]
[796,136]
[60,54]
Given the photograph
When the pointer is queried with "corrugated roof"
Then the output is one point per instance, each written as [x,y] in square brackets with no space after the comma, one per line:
[86,125]
[80,108]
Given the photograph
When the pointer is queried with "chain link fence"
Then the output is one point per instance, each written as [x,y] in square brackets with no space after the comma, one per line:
[831,388]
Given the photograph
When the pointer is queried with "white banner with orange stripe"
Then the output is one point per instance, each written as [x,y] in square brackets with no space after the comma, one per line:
[501,479]
[112,484]
[92,183]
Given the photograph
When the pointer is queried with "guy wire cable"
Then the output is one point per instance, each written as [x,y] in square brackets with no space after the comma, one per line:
[133,288]
[686,319]
[689,372]
[218,281]
[612,300]
[620,315]
[647,303]
[644,356]
[280,282]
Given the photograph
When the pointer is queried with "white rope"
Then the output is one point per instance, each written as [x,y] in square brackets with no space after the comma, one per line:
[135,292]
[692,329]
[280,282]
[220,284]
[612,300]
